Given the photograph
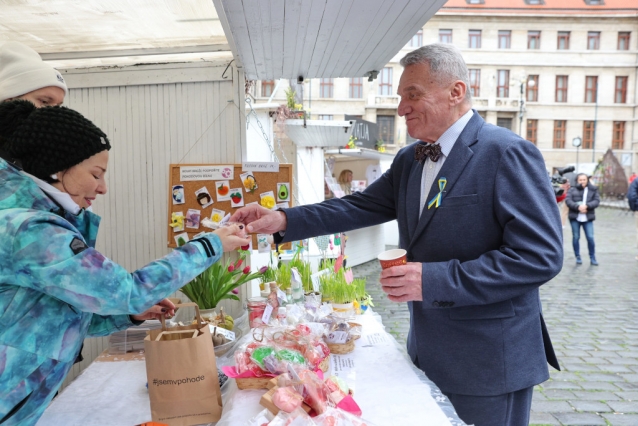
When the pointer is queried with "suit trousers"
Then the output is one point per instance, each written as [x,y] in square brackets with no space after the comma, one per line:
[510,409]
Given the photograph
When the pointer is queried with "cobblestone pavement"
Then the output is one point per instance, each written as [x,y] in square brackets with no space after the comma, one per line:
[592,316]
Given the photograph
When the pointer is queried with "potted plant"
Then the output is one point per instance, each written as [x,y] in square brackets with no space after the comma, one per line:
[219,282]
[336,290]
[305,270]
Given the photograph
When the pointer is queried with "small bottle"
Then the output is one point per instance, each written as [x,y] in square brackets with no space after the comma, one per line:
[288,296]
[273,299]
[281,314]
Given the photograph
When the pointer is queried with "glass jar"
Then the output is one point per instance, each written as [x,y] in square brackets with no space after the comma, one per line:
[256,307]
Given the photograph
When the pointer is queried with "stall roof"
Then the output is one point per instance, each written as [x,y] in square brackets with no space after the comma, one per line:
[79,29]
[369,154]
[274,39]
[318,133]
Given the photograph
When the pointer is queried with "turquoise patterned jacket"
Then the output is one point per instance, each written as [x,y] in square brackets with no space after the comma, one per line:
[56,289]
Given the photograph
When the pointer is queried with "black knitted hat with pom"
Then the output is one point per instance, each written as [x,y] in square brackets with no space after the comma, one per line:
[48,140]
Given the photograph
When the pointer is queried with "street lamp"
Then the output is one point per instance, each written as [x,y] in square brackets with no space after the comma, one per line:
[577,142]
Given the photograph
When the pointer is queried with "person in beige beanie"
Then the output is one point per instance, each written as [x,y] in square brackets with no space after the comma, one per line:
[24,75]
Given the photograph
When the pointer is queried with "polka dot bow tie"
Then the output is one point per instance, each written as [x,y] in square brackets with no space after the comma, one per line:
[422,151]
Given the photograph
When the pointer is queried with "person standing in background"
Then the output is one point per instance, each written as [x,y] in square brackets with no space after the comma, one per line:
[632,198]
[24,75]
[345,181]
[632,177]
[582,200]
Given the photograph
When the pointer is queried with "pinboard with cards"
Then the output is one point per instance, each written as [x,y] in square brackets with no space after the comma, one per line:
[201,195]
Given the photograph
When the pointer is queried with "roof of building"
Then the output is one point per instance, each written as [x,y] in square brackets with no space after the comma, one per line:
[546,7]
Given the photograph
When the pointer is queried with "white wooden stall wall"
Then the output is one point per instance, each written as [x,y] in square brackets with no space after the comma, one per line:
[154,116]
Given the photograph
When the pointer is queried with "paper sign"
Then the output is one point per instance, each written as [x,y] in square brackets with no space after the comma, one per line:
[230,335]
[337,337]
[190,173]
[315,278]
[260,167]
[349,276]
[267,313]
[376,339]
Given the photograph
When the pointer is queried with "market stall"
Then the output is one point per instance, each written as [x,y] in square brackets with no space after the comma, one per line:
[389,390]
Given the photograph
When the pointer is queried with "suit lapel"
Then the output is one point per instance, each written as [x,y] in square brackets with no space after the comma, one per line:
[451,170]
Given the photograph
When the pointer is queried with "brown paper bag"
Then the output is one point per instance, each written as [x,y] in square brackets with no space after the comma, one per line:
[182,374]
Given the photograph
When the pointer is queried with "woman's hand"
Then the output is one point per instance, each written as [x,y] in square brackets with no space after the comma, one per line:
[164,306]
[233,236]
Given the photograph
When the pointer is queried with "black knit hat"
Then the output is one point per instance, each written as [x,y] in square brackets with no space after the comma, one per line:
[48,140]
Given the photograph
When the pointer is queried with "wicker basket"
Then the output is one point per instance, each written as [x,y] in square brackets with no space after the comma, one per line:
[341,348]
[262,382]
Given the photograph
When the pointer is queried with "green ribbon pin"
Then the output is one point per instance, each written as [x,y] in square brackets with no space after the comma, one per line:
[436,201]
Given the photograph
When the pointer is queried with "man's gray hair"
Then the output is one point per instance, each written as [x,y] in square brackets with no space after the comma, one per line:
[445,61]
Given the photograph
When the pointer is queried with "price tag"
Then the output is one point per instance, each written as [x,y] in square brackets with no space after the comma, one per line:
[281,296]
[230,335]
[315,279]
[337,337]
[267,313]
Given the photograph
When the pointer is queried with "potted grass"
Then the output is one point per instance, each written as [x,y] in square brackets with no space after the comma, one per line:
[305,271]
[336,290]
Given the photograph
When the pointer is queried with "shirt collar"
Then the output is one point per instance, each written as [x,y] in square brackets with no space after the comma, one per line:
[449,137]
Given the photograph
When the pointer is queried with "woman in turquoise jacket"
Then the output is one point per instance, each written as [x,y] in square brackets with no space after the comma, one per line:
[55,288]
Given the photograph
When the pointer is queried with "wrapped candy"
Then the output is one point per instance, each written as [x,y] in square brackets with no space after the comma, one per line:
[287,399]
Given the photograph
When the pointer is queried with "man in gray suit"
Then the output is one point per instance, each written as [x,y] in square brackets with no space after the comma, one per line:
[479,220]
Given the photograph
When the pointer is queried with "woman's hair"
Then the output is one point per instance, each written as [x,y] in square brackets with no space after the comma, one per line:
[445,62]
[48,140]
[343,176]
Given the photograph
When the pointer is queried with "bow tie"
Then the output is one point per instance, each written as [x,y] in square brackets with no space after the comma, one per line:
[422,151]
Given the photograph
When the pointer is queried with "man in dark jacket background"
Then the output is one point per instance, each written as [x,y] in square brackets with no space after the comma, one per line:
[632,198]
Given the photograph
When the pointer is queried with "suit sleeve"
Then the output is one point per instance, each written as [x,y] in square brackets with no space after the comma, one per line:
[46,258]
[531,249]
[373,206]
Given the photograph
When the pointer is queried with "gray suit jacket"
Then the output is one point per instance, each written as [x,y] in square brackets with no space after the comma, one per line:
[486,250]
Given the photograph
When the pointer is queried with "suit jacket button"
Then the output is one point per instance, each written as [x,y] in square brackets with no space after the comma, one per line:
[451,304]
[435,304]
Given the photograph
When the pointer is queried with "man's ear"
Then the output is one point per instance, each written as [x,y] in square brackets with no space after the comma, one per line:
[457,92]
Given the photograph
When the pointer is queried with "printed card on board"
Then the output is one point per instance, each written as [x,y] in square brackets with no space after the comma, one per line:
[236,197]
[203,197]
[283,191]
[216,216]
[263,246]
[249,182]
[192,218]
[181,239]
[177,221]
[178,194]
[222,188]
[268,200]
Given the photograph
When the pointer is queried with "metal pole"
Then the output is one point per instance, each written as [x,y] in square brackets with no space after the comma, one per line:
[520,113]
[577,162]
[593,142]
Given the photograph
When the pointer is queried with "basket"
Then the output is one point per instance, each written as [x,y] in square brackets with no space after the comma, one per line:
[263,382]
[341,348]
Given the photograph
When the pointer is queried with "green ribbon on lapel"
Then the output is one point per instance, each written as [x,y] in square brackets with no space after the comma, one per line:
[436,201]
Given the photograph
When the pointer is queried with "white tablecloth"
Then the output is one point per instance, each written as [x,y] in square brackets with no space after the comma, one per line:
[389,390]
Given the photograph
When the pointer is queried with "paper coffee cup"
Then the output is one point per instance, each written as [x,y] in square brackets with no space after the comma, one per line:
[393,257]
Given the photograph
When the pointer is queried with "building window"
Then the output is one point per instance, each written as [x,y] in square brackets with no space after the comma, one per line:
[618,138]
[563,40]
[326,88]
[386,128]
[326,117]
[503,84]
[267,87]
[561,88]
[356,88]
[505,122]
[594,2]
[475,39]
[417,39]
[532,130]
[475,82]
[623,40]
[588,134]
[620,97]
[385,82]
[504,39]
[475,1]
[533,40]
[591,89]
[534,2]
[532,88]
[593,40]
[559,134]
[445,36]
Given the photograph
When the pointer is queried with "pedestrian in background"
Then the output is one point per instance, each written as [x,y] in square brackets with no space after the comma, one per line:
[345,181]
[632,198]
[632,177]
[582,200]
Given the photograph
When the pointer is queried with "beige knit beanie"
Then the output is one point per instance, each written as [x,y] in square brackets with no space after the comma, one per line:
[23,71]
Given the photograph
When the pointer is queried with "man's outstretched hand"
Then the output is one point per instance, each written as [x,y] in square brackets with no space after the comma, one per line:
[260,220]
